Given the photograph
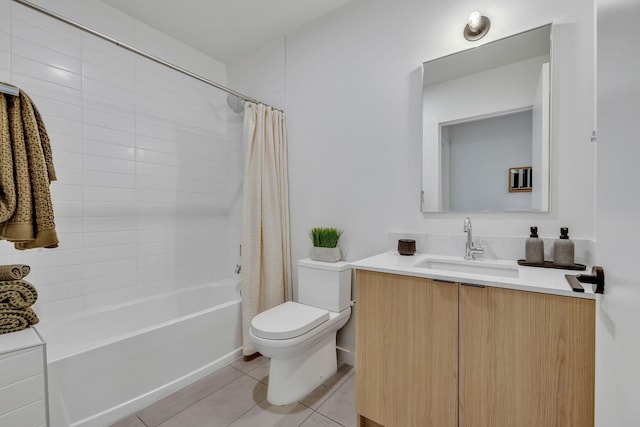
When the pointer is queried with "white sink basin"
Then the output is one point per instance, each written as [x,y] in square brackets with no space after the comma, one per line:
[472,267]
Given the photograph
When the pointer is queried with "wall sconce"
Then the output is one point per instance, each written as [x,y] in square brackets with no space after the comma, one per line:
[477,26]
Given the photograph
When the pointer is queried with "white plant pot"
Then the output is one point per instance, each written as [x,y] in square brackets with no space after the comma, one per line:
[325,254]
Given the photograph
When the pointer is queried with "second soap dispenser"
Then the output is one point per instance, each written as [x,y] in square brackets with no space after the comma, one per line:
[534,248]
[563,249]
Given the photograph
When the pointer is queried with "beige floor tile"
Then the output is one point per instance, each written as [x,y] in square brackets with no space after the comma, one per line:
[131,421]
[222,407]
[340,406]
[318,396]
[160,411]
[245,367]
[266,415]
[319,420]
[261,373]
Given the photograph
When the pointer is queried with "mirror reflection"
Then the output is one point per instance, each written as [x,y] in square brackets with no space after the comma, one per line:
[486,115]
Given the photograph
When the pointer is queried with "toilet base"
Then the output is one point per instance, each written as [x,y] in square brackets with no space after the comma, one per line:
[293,378]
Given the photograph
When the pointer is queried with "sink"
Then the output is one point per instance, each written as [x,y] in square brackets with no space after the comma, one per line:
[471,267]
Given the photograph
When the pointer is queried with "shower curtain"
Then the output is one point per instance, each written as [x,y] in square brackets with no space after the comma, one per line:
[266,262]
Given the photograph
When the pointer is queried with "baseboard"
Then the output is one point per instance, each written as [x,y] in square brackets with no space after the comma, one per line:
[346,356]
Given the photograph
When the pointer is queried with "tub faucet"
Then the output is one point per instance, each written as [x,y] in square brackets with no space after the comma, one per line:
[470,250]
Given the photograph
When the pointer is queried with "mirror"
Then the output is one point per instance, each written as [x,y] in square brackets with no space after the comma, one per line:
[486,114]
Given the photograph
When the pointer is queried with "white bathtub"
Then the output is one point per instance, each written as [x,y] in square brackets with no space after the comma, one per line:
[105,364]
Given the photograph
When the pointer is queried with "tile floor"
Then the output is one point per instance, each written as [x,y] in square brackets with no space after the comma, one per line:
[236,395]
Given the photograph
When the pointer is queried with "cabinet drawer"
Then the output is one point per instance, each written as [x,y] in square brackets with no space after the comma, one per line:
[32,415]
[21,394]
[19,365]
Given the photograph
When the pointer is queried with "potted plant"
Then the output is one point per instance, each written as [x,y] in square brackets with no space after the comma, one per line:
[325,244]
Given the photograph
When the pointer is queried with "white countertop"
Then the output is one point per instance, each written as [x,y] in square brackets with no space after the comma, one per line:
[532,279]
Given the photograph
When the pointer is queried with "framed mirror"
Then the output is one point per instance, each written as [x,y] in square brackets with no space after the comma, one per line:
[486,112]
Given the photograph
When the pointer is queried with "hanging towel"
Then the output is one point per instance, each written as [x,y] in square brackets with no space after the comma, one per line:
[26,163]
[13,320]
[7,183]
[17,294]
[14,271]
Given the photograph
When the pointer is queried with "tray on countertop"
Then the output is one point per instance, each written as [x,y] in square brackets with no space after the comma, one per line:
[550,264]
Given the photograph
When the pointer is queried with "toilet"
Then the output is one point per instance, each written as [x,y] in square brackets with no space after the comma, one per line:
[300,337]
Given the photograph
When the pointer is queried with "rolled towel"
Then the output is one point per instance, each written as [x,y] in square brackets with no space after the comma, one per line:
[14,271]
[17,294]
[16,319]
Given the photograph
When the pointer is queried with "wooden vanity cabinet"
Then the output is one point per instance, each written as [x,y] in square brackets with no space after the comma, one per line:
[521,358]
[526,359]
[406,351]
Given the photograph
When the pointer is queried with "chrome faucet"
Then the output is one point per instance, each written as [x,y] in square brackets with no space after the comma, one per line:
[470,250]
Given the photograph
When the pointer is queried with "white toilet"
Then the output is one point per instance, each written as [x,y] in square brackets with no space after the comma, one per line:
[300,337]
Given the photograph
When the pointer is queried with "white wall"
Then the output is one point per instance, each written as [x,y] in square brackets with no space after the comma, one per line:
[143,197]
[352,103]
[354,120]
[261,75]
[618,211]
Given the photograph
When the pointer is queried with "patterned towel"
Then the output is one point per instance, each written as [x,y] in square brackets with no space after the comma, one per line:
[13,320]
[14,271]
[26,170]
[17,294]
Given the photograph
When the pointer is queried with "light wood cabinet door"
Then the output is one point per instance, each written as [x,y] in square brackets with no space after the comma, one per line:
[526,359]
[406,350]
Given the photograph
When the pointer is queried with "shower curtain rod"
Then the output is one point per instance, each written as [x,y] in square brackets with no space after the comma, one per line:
[138,51]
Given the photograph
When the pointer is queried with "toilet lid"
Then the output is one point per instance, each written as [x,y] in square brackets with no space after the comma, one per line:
[287,320]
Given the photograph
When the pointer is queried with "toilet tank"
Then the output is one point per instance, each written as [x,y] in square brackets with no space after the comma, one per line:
[324,285]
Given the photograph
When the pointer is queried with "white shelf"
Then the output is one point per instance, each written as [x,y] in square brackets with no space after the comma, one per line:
[15,341]
[23,400]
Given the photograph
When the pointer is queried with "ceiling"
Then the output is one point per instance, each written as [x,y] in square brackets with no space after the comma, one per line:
[226,29]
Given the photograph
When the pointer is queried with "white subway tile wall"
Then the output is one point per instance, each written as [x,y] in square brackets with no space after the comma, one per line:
[149,161]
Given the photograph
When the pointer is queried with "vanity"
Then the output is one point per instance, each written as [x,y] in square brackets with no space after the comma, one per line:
[441,341]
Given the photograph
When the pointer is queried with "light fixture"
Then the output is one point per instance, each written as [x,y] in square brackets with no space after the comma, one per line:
[477,26]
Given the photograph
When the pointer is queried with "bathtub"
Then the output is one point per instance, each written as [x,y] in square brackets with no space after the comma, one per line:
[107,363]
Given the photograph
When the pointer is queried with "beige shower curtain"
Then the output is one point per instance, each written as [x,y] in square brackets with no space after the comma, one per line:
[266,264]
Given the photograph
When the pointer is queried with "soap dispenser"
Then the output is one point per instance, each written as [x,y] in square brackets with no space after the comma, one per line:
[534,248]
[563,249]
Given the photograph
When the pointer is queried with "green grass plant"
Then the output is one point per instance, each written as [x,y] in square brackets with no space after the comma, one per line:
[325,237]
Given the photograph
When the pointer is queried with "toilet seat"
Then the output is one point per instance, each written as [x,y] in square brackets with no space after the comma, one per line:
[288,320]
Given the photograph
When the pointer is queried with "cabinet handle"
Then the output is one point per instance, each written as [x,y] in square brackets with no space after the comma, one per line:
[473,285]
[445,281]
